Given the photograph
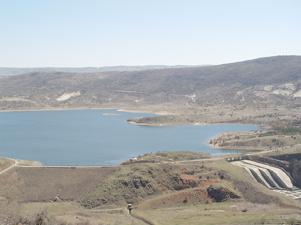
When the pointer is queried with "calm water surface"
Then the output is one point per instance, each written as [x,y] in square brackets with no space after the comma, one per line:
[90,137]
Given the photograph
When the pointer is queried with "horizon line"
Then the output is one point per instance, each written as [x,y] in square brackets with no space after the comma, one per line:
[143,65]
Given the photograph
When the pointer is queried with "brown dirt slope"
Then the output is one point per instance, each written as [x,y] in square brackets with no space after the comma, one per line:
[48,184]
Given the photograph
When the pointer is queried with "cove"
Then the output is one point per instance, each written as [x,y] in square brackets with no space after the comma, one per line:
[98,137]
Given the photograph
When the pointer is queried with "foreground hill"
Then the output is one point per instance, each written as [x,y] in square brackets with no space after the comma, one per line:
[259,83]
[163,189]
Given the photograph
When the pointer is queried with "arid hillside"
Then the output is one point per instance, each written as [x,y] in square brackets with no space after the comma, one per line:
[163,188]
[271,81]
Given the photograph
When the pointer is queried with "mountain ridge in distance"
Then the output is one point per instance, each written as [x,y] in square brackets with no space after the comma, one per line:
[264,81]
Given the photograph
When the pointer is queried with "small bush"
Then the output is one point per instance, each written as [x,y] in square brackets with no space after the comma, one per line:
[41,218]
[292,221]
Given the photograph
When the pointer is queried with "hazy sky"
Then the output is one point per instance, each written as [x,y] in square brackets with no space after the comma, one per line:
[139,32]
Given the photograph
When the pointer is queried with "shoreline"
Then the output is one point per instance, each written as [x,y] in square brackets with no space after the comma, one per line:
[27,163]
[129,110]
[142,111]
[159,113]
[40,164]
[155,113]
[170,124]
[258,126]
[56,109]
[241,150]
[86,108]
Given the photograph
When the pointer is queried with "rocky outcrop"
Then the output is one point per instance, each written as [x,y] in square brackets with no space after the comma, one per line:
[220,194]
[133,182]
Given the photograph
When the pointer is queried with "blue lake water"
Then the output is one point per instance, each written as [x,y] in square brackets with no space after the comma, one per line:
[97,137]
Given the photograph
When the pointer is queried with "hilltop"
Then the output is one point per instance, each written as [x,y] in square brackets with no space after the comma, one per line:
[257,91]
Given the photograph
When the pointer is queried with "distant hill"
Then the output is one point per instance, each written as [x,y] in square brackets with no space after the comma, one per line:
[11,71]
[265,81]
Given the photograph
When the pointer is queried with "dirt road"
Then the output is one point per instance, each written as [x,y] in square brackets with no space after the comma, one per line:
[10,167]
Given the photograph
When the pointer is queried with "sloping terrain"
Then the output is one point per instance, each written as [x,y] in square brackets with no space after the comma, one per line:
[254,83]
[31,184]
[100,195]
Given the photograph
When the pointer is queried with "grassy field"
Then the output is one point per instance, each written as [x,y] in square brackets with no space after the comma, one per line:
[73,213]
[173,156]
[221,213]
[49,184]
[251,141]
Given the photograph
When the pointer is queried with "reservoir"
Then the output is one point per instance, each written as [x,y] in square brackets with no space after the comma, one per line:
[98,137]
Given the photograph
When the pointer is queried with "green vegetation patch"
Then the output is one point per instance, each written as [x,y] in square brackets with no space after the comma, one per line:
[290,130]
[134,182]
[173,156]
